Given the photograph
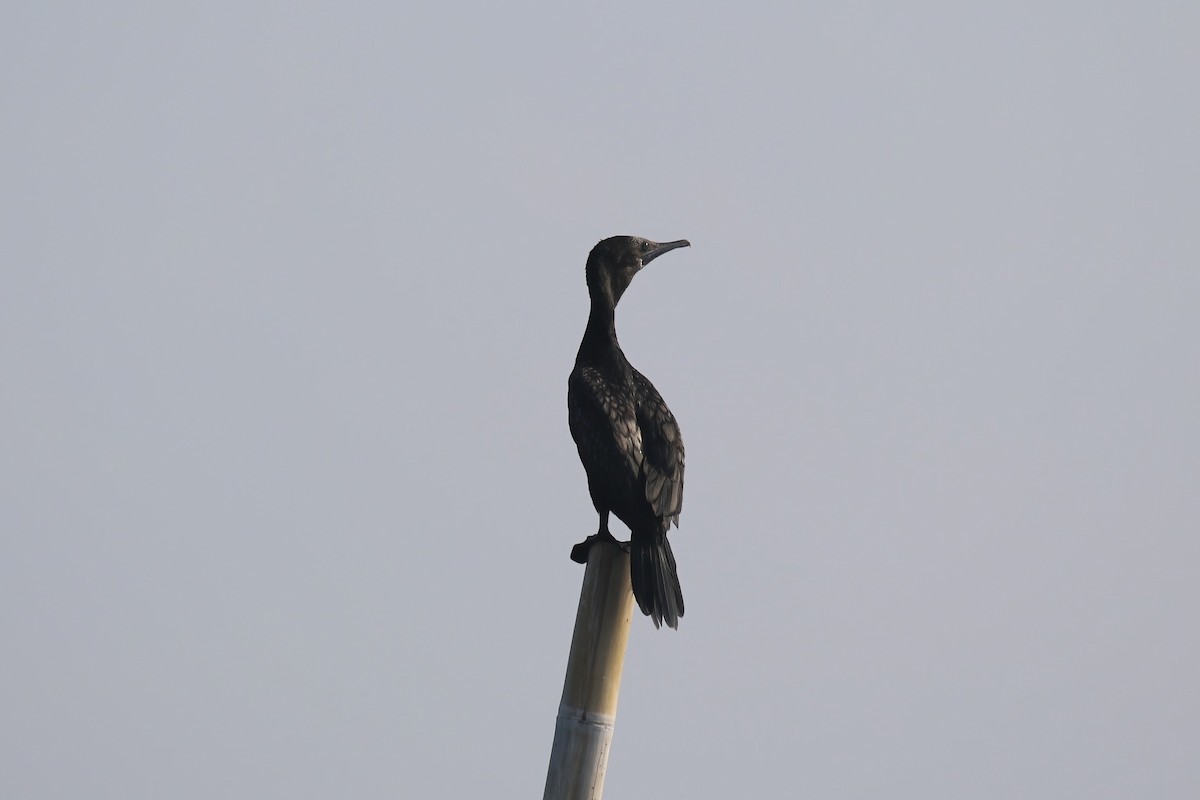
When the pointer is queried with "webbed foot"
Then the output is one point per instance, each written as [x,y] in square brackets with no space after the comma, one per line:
[579,553]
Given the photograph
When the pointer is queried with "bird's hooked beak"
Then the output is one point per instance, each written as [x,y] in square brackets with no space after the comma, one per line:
[666,247]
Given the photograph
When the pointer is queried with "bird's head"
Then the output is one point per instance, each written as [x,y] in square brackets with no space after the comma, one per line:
[614,261]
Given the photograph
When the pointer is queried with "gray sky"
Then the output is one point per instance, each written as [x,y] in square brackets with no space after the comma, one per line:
[290,296]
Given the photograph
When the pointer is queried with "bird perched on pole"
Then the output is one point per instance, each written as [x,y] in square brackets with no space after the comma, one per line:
[627,438]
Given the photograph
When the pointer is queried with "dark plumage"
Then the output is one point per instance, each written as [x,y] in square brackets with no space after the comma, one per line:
[627,438]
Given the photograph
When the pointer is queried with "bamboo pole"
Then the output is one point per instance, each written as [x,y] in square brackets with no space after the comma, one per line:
[584,728]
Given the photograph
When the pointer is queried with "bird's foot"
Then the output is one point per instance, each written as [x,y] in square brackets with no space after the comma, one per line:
[579,553]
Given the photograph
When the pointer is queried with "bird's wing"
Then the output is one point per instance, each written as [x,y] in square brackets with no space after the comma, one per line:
[662,446]
[595,401]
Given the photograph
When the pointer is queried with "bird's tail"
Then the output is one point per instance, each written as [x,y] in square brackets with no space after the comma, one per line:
[655,581]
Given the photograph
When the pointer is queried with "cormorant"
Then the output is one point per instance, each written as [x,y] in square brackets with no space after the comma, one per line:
[627,438]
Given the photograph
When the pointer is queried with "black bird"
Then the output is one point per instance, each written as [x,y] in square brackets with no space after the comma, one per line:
[627,438]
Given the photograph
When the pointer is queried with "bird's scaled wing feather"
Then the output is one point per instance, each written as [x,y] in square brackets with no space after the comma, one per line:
[597,400]
[662,446]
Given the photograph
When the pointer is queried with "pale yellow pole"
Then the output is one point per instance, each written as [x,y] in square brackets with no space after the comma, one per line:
[588,711]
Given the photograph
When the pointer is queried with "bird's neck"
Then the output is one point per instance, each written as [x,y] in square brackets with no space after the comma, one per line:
[600,335]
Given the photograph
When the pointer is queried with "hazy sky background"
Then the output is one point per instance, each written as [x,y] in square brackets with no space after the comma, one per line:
[291,292]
